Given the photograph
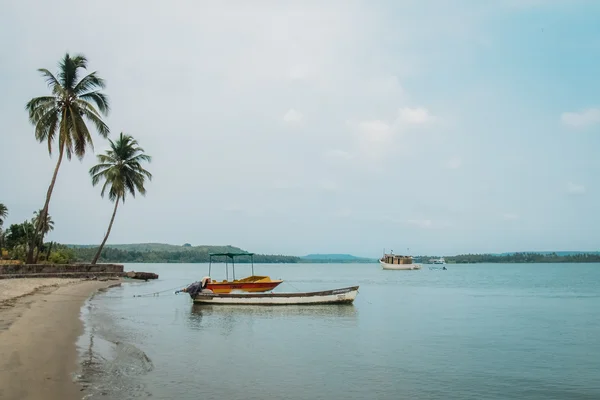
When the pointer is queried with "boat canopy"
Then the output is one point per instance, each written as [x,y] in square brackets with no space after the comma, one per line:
[227,257]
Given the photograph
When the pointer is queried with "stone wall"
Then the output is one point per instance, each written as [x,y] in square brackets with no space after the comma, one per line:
[60,270]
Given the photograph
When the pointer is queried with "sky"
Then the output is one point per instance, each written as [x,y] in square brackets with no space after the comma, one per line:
[294,127]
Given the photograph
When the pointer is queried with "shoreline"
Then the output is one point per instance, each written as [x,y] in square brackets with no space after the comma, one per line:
[40,323]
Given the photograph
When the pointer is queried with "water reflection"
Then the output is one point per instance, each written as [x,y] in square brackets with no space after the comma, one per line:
[198,311]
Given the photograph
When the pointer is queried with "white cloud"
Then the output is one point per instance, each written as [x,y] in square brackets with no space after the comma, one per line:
[385,84]
[415,116]
[300,72]
[285,184]
[454,163]
[421,223]
[581,119]
[343,212]
[510,216]
[375,131]
[574,188]
[337,154]
[328,185]
[292,116]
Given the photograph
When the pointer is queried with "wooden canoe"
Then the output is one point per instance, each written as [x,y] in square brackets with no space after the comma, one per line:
[336,296]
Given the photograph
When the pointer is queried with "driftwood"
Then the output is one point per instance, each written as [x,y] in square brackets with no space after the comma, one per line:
[141,275]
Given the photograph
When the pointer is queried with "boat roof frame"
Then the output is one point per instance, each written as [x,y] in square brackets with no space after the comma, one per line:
[232,256]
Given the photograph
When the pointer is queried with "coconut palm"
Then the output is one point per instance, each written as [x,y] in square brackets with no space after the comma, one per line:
[45,227]
[3,213]
[122,172]
[62,116]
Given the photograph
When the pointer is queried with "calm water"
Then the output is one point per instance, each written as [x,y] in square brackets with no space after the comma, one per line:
[471,332]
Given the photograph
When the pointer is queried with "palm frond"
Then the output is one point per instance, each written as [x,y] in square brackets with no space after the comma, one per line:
[99,98]
[88,83]
[80,133]
[38,106]
[51,80]
[91,114]
[68,70]
[45,129]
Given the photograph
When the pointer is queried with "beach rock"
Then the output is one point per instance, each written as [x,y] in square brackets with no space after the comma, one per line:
[141,275]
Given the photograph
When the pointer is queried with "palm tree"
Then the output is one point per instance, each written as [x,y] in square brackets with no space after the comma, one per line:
[45,227]
[3,213]
[61,116]
[122,171]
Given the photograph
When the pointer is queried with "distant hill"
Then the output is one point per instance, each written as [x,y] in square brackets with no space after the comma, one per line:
[334,258]
[186,253]
[163,247]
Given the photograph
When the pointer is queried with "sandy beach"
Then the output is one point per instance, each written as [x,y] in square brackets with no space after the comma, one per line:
[39,326]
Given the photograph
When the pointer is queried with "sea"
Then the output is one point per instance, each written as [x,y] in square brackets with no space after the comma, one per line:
[478,331]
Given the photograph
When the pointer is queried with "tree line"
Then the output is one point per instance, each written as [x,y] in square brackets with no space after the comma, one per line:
[525,257]
[62,119]
[110,254]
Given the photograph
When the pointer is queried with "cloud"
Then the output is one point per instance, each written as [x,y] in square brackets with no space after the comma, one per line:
[510,216]
[343,212]
[292,116]
[337,154]
[301,72]
[285,184]
[385,84]
[415,116]
[376,130]
[328,185]
[454,163]
[421,223]
[581,119]
[574,188]
[373,138]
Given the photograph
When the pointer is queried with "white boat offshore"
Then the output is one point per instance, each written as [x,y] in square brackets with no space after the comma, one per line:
[398,262]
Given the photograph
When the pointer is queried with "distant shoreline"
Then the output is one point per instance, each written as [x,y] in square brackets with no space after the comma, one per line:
[153,253]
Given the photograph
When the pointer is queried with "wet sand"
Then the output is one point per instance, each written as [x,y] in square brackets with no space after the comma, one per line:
[39,326]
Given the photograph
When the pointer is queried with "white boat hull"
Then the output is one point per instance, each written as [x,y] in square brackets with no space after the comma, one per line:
[404,267]
[337,296]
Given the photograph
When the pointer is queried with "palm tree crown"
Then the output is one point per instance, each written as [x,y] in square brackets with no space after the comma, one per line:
[71,100]
[3,213]
[121,169]
[45,226]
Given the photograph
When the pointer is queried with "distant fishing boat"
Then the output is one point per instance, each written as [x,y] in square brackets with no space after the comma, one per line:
[252,283]
[335,296]
[398,262]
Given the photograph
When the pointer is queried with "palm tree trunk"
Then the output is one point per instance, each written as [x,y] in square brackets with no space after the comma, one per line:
[97,256]
[44,213]
[39,249]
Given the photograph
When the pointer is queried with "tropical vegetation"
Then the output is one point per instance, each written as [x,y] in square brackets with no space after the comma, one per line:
[525,257]
[18,238]
[122,172]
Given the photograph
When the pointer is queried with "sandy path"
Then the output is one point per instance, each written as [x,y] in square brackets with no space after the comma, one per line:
[38,334]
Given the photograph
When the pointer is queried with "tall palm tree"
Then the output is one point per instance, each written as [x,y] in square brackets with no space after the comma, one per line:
[122,172]
[45,227]
[61,116]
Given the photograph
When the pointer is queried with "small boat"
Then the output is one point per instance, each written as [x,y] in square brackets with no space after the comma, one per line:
[252,283]
[398,262]
[440,260]
[335,296]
